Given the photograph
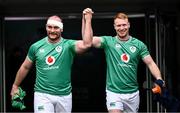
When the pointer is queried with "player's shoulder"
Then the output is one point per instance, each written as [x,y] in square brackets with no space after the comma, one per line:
[67,41]
[108,37]
[135,39]
[39,42]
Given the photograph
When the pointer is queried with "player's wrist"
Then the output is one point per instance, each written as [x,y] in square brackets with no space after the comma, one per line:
[160,82]
[158,77]
[15,86]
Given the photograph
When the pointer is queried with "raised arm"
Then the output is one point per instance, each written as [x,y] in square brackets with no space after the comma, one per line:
[87,33]
[21,74]
[83,24]
[96,41]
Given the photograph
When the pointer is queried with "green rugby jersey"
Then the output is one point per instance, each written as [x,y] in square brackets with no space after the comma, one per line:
[53,65]
[122,61]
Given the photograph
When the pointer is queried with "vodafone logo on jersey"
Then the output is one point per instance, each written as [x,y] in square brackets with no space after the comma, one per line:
[125,57]
[50,60]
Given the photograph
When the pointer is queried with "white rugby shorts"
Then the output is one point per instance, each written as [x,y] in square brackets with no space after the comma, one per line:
[46,103]
[124,102]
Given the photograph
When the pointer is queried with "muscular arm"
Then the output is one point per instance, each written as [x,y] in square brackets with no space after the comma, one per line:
[87,32]
[96,41]
[83,24]
[21,74]
[152,67]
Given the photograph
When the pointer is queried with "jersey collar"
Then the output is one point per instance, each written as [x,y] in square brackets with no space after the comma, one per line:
[54,43]
[120,41]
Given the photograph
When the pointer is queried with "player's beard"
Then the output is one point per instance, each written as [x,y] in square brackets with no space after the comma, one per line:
[54,37]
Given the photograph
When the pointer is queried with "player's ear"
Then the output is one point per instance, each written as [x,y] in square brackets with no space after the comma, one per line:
[114,26]
[46,27]
[61,30]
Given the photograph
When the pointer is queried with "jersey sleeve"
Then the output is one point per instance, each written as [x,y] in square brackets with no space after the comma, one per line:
[31,53]
[144,50]
[103,41]
[72,45]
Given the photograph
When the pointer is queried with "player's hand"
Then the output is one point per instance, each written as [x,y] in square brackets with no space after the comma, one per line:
[87,10]
[158,86]
[14,90]
[87,13]
[160,82]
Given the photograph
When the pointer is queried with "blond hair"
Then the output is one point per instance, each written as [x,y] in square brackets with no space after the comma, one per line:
[121,16]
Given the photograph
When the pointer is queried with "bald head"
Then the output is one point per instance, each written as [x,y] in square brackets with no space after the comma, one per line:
[55,17]
[55,20]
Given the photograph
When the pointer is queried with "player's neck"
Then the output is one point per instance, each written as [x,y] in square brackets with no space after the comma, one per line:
[126,38]
[54,40]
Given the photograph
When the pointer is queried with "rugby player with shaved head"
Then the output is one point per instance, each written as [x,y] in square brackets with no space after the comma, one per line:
[53,57]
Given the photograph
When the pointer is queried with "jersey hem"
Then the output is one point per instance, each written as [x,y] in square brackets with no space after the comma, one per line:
[122,92]
[53,93]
